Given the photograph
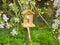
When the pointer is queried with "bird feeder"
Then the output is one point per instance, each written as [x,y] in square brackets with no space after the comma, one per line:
[28,18]
[28,22]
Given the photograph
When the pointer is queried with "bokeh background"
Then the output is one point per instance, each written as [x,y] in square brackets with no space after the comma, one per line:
[47,25]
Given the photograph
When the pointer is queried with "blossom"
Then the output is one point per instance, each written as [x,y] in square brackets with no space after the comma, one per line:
[53,30]
[27,2]
[16,20]
[11,4]
[57,12]
[8,25]
[58,5]
[14,32]
[1,25]
[34,3]
[57,21]
[47,3]
[55,3]
[0,14]
[58,37]
[57,15]
[5,18]
[54,25]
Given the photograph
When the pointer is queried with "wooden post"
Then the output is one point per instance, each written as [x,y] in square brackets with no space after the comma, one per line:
[28,37]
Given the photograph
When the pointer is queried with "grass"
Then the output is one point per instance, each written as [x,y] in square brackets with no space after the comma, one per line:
[39,36]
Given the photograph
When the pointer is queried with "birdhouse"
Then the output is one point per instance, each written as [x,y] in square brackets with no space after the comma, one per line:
[28,18]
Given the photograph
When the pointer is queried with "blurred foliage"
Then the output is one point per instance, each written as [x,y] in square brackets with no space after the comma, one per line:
[41,34]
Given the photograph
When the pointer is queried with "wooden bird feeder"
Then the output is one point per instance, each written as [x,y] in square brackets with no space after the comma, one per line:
[28,22]
[28,18]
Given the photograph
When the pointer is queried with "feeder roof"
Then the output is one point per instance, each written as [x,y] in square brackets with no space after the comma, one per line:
[27,12]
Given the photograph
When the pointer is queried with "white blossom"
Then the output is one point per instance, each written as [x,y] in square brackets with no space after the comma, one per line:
[53,30]
[57,21]
[8,25]
[58,11]
[16,20]
[45,8]
[1,25]
[5,18]
[34,3]
[14,32]
[58,37]
[27,2]
[47,3]
[57,15]
[58,5]
[54,25]
[0,14]
[11,4]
